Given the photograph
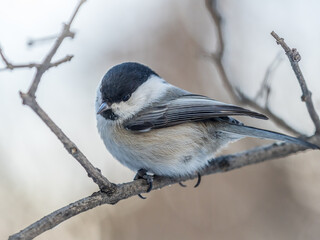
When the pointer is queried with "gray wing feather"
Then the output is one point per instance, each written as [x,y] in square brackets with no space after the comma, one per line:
[186,108]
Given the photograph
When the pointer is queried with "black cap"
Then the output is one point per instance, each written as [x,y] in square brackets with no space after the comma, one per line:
[122,80]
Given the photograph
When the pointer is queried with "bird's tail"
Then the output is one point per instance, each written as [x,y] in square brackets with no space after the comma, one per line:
[261,133]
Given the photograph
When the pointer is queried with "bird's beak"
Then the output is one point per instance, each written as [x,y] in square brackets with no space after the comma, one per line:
[103,107]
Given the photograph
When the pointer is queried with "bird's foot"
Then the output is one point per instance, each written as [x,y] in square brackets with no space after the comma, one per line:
[142,174]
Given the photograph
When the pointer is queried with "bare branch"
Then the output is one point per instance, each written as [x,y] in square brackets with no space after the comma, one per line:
[236,94]
[63,60]
[4,58]
[294,58]
[11,66]
[126,190]
[93,172]
[32,42]
[266,84]
[217,56]
[30,100]
[46,63]
[267,111]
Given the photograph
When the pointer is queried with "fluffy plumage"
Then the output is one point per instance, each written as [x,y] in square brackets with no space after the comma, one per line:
[145,122]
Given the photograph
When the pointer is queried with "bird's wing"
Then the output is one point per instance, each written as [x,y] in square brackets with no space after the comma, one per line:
[185,108]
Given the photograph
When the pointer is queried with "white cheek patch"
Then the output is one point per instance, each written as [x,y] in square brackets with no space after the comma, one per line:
[152,89]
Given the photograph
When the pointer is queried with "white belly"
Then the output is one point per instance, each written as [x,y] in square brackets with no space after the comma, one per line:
[174,151]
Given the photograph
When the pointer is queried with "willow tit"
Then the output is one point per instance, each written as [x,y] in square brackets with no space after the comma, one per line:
[154,127]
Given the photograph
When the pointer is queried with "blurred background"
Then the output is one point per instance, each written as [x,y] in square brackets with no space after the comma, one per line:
[278,199]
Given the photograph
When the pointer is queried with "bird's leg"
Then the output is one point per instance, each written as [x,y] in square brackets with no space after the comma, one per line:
[142,174]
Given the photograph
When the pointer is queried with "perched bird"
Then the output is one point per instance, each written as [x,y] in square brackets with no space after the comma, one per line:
[154,127]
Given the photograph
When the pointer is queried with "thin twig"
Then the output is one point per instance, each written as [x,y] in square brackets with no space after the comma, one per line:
[11,66]
[63,60]
[46,63]
[32,42]
[268,112]
[266,83]
[15,66]
[294,58]
[126,190]
[217,56]
[235,93]
[4,58]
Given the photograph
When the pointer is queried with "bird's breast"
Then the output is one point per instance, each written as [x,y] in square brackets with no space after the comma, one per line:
[172,151]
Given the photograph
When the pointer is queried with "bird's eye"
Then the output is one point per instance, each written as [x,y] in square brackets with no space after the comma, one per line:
[107,100]
[126,97]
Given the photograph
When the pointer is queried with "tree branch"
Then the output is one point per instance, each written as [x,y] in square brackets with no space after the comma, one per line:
[46,63]
[217,56]
[93,172]
[294,58]
[235,93]
[29,99]
[126,190]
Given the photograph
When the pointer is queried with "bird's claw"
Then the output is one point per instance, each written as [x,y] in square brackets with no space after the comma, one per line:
[142,174]
[182,184]
[198,181]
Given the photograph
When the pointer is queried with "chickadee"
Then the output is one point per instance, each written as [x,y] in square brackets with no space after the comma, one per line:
[151,126]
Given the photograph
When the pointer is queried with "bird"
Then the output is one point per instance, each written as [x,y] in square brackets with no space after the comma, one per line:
[156,128]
